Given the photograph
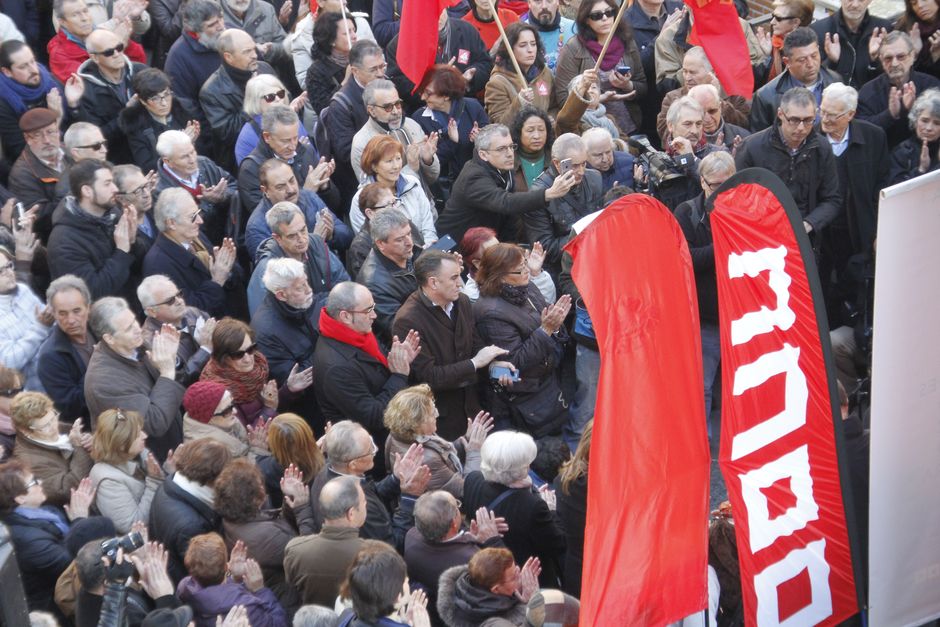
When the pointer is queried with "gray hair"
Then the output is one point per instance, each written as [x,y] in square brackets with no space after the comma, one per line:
[434,513]
[339,495]
[685,102]
[74,134]
[280,273]
[195,13]
[68,282]
[102,314]
[169,204]
[122,172]
[718,162]
[147,287]
[698,53]
[362,49]
[567,144]
[927,102]
[384,221]
[255,89]
[707,88]
[281,213]
[58,9]
[315,616]
[844,94]
[169,141]
[278,115]
[379,84]
[341,439]
[342,298]
[506,455]
[487,134]
[893,37]
[797,96]
[601,134]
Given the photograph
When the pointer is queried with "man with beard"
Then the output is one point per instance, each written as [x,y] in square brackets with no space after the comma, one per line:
[223,96]
[193,58]
[554,29]
[278,184]
[25,84]
[36,172]
[386,117]
[291,238]
[885,101]
[82,140]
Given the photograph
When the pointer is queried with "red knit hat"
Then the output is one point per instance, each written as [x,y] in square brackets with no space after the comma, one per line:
[202,398]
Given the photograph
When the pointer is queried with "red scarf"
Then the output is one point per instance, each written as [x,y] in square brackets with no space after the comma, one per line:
[366,342]
[244,386]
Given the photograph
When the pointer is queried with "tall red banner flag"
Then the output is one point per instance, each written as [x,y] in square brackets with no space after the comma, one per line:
[717,29]
[645,544]
[417,37]
[779,412]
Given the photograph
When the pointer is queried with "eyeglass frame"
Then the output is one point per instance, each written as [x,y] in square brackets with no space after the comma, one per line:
[96,146]
[10,265]
[228,411]
[236,355]
[280,94]
[143,190]
[367,310]
[774,16]
[172,299]
[391,106]
[395,202]
[164,96]
[109,52]
[33,482]
[608,12]
[808,122]
[11,392]
[375,450]
[502,150]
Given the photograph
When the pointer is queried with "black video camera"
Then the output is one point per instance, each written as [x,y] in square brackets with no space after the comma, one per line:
[130,542]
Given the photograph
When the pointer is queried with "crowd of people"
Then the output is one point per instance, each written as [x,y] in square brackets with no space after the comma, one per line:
[286,338]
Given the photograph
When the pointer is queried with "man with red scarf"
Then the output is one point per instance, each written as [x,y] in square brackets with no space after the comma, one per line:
[355,379]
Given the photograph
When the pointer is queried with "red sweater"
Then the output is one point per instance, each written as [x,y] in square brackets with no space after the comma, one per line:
[489,32]
[65,55]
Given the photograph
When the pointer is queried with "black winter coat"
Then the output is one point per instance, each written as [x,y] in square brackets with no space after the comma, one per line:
[214,214]
[142,131]
[189,274]
[365,385]
[868,173]
[41,554]
[175,517]
[855,65]
[534,530]
[873,105]
[483,196]
[189,65]
[102,105]
[696,226]
[390,286]
[767,98]
[811,174]
[324,78]
[551,225]
[572,511]
[905,160]
[62,373]
[249,183]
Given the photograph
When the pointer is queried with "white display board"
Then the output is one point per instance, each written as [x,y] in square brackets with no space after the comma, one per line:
[904,535]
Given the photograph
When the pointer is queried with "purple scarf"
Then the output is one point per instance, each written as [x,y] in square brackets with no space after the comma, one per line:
[613,55]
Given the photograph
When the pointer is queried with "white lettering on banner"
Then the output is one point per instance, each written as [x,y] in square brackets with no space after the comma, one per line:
[796,395]
[812,558]
[753,263]
[763,529]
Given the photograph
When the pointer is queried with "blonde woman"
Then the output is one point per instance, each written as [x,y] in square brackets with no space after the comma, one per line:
[125,475]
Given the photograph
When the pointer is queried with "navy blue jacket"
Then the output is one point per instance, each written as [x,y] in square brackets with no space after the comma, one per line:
[189,64]
[256,231]
[620,173]
[62,373]
[41,555]
[189,274]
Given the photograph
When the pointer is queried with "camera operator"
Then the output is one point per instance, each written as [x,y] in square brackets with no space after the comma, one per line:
[672,177]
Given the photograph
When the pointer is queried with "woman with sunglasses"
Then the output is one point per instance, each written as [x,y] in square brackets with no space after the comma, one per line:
[505,94]
[621,69]
[261,93]
[211,413]
[125,475]
[237,364]
[154,111]
[333,37]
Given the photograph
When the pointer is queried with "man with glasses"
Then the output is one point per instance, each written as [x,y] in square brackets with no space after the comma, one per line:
[794,151]
[483,194]
[93,238]
[163,303]
[82,140]
[551,225]
[36,172]
[355,378]
[372,198]
[387,117]
[107,75]
[887,99]
[351,451]
[291,238]
[135,191]
[801,55]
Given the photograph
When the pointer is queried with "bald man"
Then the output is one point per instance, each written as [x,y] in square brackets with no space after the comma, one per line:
[107,74]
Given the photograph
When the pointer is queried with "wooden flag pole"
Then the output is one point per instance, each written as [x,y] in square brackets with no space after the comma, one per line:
[613,33]
[512,57]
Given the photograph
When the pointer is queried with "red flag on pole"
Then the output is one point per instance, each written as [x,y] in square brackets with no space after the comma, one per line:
[417,37]
[778,416]
[646,540]
[718,30]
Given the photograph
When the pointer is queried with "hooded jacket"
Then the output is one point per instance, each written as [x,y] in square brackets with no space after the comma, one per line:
[104,101]
[462,604]
[208,602]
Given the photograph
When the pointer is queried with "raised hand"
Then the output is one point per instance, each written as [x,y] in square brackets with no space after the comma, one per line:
[223,259]
[154,470]
[44,315]
[214,193]
[765,41]
[122,234]
[924,164]
[560,186]
[192,130]
[413,156]
[453,133]
[588,78]
[874,44]
[468,75]
[298,103]
[236,617]
[408,469]
[253,578]
[487,525]
[150,561]
[258,435]
[832,47]
[299,380]
[283,16]
[415,610]
[908,95]
[894,102]
[548,495]
[529,579]
[237,559]
[54,103]
[319,176]
[477,430]
[163,349]
[934,41]
[75,433]
[269,395]
[554,315]
[918,42]
[292,486]
[80,500]
[536,259]
[204,333]
[474,131]
[429,148]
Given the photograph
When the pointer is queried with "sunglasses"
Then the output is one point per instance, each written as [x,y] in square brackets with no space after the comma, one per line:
[172,299]
[228,411]
[597,16]
[96,146]
[388,108]
[110,52]
[248,351]
[278,95]
[32,483]
[10,392]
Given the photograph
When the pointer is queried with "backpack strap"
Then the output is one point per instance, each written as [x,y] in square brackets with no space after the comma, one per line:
[505,494]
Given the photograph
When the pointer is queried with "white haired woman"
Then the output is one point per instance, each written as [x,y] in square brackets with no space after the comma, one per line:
[504,486]
[261,93]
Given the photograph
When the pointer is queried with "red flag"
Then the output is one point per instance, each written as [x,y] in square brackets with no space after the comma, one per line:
[645,543]
[717,29]
[417,37]
[778,416]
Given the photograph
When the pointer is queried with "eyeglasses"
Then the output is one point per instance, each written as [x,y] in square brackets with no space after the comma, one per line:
[109,52]
[10,392]
[7,266]
[783,18]
[524,270]
[713,185]
[367,310]
[503,150]
[597,16]
[378,70]
[888,58]
[799,121]
[228,411]
[195,216]
[96,146]
[278,95]
[395,202]
[827,115]
[34,482]
[375,449]
[143,190]
[236,355]
[53,421]
[172,299]
[163,96]
[388,108]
